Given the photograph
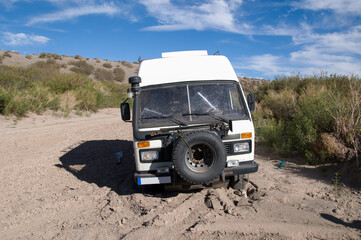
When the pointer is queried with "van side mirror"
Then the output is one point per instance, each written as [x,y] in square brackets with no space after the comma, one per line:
[251,102]
[125,111]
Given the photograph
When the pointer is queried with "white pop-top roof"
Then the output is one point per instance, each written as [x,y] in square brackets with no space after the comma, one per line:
[185,66]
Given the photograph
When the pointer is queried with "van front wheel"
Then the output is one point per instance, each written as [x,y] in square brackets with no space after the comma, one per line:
[199,157]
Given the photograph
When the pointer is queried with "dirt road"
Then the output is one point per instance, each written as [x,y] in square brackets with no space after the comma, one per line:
[59,180]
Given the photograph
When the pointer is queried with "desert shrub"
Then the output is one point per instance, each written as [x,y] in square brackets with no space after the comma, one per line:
[40,98]
[114,93]
[15,101]
[301,109]
[102,74]
[82,67]
[13,82]
[282,104]
[7,54]
[41,86]
[127,64]
[54,56]
[60,83]
[17,106]
[107,65]
[119,74]
[316,104]
[4,99]
[28,56]
[48,65]
[89,99]
[78,57]
[347,115]
[42,55]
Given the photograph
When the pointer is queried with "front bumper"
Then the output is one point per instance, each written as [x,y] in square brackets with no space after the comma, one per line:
[150,178]
[243,168]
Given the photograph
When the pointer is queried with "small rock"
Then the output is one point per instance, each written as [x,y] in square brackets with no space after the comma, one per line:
[238,193]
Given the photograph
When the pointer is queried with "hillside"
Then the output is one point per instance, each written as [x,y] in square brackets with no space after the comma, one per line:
[17,60]
[252,84]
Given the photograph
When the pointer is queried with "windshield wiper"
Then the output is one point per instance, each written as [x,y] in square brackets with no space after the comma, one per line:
[173,119]
[207,114]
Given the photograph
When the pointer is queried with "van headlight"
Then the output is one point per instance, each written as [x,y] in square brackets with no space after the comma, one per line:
[149,155]
[242,147]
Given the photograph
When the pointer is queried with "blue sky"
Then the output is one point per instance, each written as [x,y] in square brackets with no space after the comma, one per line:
[262,39]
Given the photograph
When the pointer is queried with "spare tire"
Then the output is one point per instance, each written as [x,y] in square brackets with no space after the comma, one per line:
[199,157]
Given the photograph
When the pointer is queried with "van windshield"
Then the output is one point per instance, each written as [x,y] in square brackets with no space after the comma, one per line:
[191,103]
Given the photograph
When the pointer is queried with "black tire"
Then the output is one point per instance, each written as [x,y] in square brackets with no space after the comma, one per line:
[204,162]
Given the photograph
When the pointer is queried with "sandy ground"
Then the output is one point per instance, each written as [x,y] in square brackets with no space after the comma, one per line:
[59,180]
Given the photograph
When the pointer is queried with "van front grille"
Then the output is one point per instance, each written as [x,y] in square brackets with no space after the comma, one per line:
[228,148]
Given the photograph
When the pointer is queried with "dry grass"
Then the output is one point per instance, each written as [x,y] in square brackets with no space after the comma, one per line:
[68,102]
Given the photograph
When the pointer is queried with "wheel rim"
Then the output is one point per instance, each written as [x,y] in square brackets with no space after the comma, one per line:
[200,158]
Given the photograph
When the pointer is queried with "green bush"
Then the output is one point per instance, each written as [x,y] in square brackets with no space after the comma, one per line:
[89,99]
[114,93]
[293,112]
[282,104]
[40,98]
[61,83]
[49,64]
[17,104]
[41,86]
[4,100]
[78,57]
[81,67]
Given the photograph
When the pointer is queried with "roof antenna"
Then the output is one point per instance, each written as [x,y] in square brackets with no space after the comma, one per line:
[217,53]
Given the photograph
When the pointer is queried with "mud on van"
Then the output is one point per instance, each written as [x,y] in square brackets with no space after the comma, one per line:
[191,121]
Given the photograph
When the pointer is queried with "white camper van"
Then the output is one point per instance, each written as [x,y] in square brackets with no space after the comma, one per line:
[191,121]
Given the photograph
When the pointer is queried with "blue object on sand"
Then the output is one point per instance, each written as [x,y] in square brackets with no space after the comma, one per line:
[281,165]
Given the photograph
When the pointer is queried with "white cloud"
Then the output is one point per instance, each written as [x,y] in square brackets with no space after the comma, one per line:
[343,42]
[19,39]
[336,51]
[214,15]
[333,52]
[74,12]
[339,6]
[267,64]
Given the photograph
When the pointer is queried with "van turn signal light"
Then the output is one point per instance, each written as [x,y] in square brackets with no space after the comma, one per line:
[143,144]
[246,135]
